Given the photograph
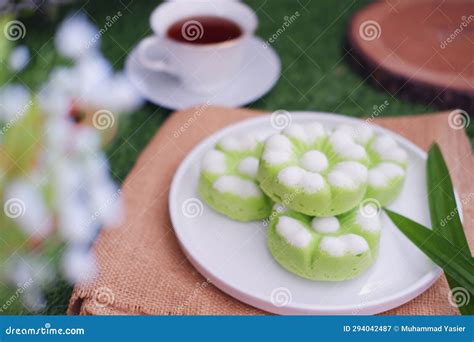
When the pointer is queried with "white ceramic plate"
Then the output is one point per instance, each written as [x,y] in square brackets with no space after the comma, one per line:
[259,73]
[234,255]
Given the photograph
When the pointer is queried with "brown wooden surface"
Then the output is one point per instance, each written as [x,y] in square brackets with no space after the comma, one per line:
[422,50]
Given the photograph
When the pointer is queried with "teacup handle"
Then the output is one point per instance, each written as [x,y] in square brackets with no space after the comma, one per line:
[161,63]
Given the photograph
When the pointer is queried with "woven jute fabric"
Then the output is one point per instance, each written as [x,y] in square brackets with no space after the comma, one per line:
[142,267]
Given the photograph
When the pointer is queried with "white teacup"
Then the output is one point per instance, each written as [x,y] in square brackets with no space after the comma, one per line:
[200,67]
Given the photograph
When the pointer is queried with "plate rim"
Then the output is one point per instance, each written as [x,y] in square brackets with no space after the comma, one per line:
[370,307]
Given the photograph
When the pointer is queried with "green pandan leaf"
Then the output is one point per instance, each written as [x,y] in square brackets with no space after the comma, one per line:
[439,249]
[444,212]
[443,209]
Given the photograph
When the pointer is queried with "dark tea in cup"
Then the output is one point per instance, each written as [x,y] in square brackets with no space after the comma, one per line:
[203,30]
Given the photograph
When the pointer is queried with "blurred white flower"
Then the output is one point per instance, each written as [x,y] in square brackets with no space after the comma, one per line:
[34,217]
[14,102]
[91,85]
[91,70]
[86,141]
[106,201]
[75,222]
[33,298]
[57,132]
[76,36]
[79,265]
[120,95]
[19,58]
[67,177]
[63,78]
[69,191]
[30,274]
[54,101]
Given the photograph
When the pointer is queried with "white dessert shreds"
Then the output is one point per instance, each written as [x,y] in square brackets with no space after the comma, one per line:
[348,175]
[297,177]
[276,157]
[249,167]
[383,143]
[291,176]
[396,154]
[339,246]
[339,179]
[214,162]
[312,182]
[343,144]
[278,150]
[355,170]
[279,142]
[308,133]
[388,150]
[325,224]
[293,232]
[246,142]
[381,175]
[314,161]
[361,134]
[237,186]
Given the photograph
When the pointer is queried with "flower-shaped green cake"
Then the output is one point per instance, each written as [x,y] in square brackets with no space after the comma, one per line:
[228,178]
[325,248]
[312,172]
[318,173]
[387,162]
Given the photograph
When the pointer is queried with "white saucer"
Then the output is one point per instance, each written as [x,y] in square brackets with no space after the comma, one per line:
[259,73]
[234,255]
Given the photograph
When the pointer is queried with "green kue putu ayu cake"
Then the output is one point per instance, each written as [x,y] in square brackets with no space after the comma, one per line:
[325,248]
[312,171]
[387,163]
[321,173]
[228,178]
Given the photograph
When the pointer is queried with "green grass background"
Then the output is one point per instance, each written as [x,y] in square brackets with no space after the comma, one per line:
[315,73]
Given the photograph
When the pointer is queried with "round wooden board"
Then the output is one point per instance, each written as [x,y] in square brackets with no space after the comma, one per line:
[422,50]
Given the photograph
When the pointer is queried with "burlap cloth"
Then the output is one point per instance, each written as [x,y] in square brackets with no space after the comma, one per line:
[144,271]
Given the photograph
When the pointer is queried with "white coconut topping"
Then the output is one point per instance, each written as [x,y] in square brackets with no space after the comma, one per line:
[368,218]
[263,134]
[291,176]
[246,142]
[279,142]
[343,144]
[339,246]
[348,175]
[297,177]
[308,133]
[314,161]
[383,143]
[293,231]
[388,150]
[237,186]
[381,175]
[275,157]
[278,150]
[249,166]
[325,224]
[214,162]
[361,134]
[397,154]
